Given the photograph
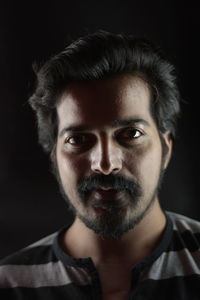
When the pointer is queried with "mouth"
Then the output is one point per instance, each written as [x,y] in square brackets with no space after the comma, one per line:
[106,208]
[106,194]
[107,200]
[101,210]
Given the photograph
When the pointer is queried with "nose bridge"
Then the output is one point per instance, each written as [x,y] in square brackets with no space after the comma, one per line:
[106,157]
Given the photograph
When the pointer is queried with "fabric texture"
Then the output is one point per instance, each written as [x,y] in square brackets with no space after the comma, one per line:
[43,271]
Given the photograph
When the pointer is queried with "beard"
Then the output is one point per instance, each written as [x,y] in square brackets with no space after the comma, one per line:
[121,215]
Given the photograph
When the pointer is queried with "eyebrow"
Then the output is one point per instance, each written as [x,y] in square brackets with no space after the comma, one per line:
[114,124]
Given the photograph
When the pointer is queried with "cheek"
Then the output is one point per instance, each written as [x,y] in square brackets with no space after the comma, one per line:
[70,168]
[152,167]
[144,164]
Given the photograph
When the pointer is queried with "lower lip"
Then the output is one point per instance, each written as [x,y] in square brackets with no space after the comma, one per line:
[100,210]
[114,212]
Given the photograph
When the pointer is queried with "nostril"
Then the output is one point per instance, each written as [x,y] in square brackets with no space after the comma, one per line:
[106,172]
[97,171]
[115,170]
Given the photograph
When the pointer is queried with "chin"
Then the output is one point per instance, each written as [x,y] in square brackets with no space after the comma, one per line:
[107,226]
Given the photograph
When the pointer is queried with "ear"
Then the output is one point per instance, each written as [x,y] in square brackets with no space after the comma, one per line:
[167,148]
[53,154]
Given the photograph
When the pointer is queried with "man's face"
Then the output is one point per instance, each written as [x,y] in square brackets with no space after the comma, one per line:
[109,155]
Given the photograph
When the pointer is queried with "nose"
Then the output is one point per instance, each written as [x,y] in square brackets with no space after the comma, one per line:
[106,157]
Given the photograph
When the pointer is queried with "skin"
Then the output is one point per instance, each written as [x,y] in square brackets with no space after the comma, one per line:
[103,149]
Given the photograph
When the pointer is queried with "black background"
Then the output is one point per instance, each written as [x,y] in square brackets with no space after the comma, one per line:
[30,204]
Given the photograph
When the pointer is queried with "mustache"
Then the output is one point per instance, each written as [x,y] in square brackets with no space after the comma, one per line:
[116,182]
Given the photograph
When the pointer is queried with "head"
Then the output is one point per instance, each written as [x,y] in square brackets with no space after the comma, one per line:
[107,108]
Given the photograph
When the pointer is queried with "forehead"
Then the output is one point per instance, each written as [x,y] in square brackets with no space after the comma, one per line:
[101,102]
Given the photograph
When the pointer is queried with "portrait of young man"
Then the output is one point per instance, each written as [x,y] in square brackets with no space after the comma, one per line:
[107,108]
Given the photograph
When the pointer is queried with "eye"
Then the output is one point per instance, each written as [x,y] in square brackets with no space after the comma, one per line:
[134,133]
[130,134]
[78,140]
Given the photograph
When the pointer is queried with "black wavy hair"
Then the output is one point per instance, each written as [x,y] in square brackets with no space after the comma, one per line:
[94,57]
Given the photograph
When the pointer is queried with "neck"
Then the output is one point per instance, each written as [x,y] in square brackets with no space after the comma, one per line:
[131,248]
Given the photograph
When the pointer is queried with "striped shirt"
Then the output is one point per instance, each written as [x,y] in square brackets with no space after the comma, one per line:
[44,271]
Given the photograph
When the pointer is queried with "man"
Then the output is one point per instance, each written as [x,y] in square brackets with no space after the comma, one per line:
[107,108]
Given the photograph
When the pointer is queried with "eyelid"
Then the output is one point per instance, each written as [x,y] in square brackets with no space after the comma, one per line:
[77,134]
[124,136]
[130,128]
[87,136]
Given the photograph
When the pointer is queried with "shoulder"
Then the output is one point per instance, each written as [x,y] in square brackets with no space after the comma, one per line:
[15,268]
[179,263]
[33,253]
[185,242]
[182,223]
[186,232]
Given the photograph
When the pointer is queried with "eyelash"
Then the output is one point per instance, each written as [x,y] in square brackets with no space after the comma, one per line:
[86,136]
[75,136]
[130,130]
